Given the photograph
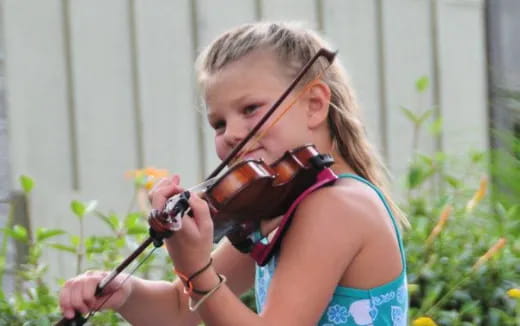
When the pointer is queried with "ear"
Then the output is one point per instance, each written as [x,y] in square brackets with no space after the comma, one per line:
[318,104]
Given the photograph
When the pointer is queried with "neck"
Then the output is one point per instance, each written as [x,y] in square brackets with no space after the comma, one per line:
[340,165]
[324,144]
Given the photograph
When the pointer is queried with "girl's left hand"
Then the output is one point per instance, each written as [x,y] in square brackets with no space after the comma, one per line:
[190,247]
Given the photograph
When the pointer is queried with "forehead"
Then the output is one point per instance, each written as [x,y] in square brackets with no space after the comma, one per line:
[256,74]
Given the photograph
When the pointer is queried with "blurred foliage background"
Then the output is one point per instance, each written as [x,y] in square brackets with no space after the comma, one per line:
[463,246]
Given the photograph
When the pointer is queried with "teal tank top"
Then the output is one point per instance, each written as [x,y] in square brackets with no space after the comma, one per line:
[383,305]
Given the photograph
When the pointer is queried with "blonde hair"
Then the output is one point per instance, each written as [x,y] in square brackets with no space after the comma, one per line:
[294,46]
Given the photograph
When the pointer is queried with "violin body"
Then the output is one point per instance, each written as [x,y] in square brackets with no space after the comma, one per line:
[252,191]
[248,192]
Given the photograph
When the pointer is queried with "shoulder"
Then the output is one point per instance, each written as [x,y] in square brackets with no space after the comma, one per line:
[349,205]
[328,231]
[340,220]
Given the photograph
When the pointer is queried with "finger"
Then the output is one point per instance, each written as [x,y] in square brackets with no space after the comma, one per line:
[201,214]
[65,305]
[89,289]
[158,196]
[173,179]
[115,285]
[76,296]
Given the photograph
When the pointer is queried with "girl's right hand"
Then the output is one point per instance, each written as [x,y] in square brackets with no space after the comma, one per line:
[78,293]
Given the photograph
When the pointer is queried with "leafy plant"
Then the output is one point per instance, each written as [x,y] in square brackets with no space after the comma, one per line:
[463,250]
[34,302]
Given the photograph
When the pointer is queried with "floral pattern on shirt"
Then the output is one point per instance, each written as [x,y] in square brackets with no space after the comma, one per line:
[337,314]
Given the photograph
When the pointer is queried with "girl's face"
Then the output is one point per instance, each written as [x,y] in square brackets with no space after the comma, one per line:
[240,94]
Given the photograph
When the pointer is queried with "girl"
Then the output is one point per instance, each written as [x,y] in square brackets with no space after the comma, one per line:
[341,262]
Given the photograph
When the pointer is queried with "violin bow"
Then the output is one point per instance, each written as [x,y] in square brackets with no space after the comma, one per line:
[157,238]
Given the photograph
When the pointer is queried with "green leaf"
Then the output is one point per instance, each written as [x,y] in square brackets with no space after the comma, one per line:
[435,127]
[422,84]
[428,160]
[20,233]
[415,176]
[140,180]
[62,247]
[43,233]
[112,220]
[78,208]
[120,243]
[470,307]
[477,156]
[74,239]
[512,211]
[81,209]
[423,117]
[133,219]
[27,183]
[17,232]
[452,181]
[410,115]
[91,206]
[501,210]
[137,229]
[433,292]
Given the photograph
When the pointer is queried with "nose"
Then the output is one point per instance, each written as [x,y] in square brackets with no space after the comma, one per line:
[235,131]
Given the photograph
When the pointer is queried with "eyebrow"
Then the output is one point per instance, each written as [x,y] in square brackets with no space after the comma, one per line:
[235,102]
[211,116]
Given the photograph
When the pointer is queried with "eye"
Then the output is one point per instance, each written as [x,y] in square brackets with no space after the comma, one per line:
[249,109]
[219,126]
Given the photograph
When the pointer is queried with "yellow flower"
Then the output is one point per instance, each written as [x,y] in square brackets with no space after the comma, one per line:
[490,253]
[148,172]
[155,173]
[514,293]
[146,177]
[149,184]
[443,217]
[479,194]
[424,321]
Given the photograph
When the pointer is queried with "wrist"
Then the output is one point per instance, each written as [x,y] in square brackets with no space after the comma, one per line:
[205,281]
[129,289]
[191,269]
[200,280]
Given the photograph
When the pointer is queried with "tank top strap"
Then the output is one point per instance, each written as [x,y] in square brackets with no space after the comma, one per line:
[388,209]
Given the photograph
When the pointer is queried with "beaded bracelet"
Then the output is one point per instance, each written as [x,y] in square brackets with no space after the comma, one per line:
[193,307]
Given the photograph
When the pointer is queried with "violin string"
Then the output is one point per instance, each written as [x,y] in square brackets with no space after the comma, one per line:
[100,305]
[262,133]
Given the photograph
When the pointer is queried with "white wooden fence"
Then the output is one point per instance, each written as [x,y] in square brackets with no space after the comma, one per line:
[99,87]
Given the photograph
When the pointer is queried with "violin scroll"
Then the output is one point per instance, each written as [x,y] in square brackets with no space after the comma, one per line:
[164,222]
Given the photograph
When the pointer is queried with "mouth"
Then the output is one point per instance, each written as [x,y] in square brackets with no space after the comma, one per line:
[252,154]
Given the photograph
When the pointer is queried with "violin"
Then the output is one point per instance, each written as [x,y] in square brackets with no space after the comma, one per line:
[248,192]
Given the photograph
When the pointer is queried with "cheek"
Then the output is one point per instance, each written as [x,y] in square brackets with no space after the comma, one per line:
[220,147]
[287,136]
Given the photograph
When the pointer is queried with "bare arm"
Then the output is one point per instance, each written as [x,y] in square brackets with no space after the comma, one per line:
[166,304]
[144,302]
[316,250]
